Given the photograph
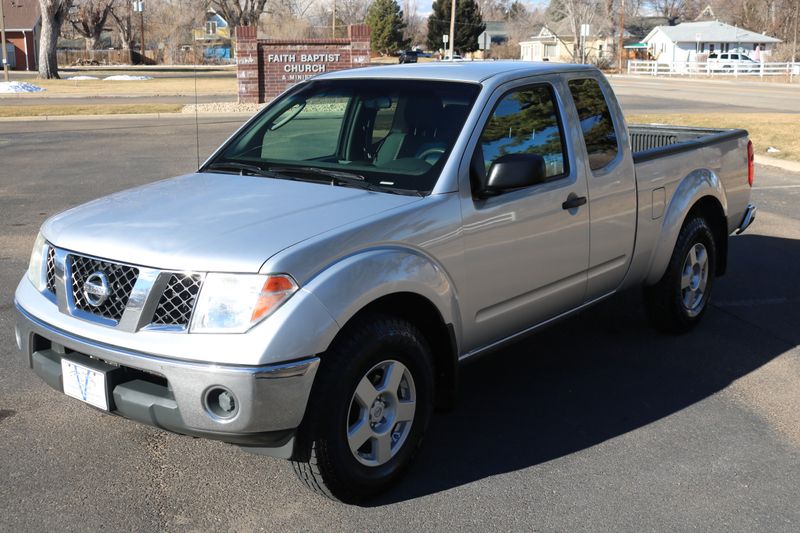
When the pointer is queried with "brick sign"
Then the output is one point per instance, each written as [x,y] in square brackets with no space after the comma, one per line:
[267,67]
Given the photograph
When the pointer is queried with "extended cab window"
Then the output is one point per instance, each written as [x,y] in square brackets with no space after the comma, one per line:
[598,129]
[525,121]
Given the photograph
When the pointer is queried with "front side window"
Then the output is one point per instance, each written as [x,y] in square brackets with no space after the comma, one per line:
[390,134]
[525,121]
[598,129]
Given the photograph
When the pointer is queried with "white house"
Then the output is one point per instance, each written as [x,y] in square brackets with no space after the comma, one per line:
[555,42]
[693,41]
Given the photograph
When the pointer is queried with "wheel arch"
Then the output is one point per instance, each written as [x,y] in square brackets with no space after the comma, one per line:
[699,193]
[401,282]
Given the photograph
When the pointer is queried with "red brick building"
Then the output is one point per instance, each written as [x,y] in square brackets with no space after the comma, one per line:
[23,23]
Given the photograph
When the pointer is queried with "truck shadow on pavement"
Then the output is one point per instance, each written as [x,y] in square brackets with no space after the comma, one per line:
[606,372]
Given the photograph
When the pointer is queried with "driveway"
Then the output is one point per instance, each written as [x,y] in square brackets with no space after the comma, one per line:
[598,423]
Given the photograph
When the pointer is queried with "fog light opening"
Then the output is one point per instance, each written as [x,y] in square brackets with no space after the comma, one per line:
[221,403]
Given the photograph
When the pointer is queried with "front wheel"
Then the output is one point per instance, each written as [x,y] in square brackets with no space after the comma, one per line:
[369,411]
[678,301]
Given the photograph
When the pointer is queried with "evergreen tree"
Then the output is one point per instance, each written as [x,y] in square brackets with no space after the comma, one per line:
[385,21]
[469,24]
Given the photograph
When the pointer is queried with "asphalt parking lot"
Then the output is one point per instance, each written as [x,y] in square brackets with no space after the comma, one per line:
[599,423]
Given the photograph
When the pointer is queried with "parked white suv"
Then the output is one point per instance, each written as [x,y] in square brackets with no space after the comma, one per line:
[732,61]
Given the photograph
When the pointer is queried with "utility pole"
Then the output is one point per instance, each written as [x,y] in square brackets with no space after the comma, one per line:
[621,35]
[138,6]
[333,22]
[141,12]
[794,44]
[3,39]
[452,29]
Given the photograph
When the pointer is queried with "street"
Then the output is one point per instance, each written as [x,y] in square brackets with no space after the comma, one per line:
[638,94]
[645,94]
[598,423]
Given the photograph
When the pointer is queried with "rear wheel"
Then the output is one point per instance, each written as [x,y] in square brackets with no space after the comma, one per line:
[678,301]
[370,409]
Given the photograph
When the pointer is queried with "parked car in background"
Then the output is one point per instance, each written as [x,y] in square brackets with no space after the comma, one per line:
[733,61]
[408,56]
[312,290]
[456,57]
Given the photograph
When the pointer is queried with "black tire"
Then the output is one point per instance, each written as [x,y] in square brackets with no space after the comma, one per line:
[332,469]
[664,301]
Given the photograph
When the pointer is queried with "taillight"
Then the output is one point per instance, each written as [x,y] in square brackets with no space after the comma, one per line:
[751,163]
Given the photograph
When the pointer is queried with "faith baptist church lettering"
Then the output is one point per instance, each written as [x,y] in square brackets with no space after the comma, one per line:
[267,67]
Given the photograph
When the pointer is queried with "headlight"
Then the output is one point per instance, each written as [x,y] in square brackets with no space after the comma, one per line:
[36,266]
[233,303]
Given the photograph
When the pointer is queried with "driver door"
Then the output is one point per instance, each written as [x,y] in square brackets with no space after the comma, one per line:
[526,250]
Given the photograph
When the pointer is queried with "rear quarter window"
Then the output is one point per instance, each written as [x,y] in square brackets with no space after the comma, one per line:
[599,135]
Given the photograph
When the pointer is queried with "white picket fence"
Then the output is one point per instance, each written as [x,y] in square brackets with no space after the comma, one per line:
[791,71]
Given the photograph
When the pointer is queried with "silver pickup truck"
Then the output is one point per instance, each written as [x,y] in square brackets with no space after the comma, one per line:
[310,292]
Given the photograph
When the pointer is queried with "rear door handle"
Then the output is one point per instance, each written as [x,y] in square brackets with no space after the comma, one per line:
[573,202]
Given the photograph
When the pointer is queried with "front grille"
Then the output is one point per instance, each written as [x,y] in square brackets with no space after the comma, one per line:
[177,301]
[51,269]
[121,279]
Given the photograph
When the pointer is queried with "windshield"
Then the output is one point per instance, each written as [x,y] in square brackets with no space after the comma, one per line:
[392,134]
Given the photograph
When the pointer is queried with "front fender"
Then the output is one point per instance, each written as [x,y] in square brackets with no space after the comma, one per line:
[696,185]
[353,282]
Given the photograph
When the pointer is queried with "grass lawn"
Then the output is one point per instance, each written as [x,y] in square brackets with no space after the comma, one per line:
[156,86]
[779,130]
[102,109]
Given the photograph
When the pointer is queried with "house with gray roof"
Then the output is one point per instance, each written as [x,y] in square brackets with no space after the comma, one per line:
[693,41]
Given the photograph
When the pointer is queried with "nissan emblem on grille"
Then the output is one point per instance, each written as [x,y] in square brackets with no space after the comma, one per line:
[100,287]
[96,289]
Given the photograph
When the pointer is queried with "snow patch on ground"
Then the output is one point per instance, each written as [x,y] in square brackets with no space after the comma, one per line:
[19,87]
[79,78]
[126,77]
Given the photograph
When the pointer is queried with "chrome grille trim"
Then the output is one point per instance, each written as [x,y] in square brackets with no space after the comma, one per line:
[50,263]
[141,298]
[177,301]
[121,278]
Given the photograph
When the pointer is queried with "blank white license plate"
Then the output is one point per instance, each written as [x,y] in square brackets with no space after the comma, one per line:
[84,383]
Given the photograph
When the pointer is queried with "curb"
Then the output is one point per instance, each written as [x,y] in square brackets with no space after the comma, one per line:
[791,166]
[126,116]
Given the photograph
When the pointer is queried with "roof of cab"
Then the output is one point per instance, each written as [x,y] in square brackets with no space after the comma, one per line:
[464,71]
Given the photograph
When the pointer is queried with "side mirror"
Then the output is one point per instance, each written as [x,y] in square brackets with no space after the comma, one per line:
[513,171]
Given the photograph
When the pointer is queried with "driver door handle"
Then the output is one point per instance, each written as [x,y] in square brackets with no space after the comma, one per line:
[572,203]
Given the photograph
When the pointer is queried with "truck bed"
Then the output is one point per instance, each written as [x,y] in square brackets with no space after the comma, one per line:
[651,141]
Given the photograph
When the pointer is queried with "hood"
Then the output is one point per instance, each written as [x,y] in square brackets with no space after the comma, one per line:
[211,222]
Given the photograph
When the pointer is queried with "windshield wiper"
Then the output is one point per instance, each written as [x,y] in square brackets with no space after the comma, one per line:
[337,177]
[243,168]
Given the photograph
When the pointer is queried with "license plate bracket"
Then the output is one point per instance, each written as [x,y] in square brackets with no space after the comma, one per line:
[89,381]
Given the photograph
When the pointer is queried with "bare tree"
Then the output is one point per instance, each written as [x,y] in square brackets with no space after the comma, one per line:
[170,24]
[240,12]
[54,13]
[121,14]
[576,13]
[90,20]
[351,11]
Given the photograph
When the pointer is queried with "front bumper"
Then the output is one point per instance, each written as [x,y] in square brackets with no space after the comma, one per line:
[171,394]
